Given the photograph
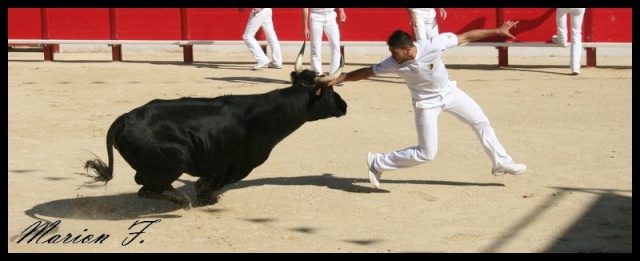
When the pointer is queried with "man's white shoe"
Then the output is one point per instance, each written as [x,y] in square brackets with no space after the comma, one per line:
[555,40]
[260,64]
[274,66]
[509,168]
[575,72]
[374,175]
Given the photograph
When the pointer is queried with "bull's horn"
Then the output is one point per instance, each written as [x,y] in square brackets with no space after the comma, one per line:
[332,76]
[298,64]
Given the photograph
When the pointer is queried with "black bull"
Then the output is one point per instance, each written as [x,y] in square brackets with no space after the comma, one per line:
[220,140]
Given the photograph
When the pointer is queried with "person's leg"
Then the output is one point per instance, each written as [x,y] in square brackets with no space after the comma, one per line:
[332,31]
[432,29]
[272,38]
[561,24]
[431,24]
[419,28]
[316,24]
[249,36]
[463,107]
[426,120]
[577,15]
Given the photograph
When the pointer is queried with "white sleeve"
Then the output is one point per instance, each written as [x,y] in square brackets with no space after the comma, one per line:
[386,66]
[447,40]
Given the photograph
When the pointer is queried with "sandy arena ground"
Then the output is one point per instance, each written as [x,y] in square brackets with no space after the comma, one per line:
[312,194]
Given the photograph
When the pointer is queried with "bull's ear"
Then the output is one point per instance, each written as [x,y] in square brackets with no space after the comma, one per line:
[318,91]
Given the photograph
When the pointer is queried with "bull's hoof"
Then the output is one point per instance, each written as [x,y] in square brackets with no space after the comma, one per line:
[205,201]
[171,188]
[182,200]
[178,198]
[185,206]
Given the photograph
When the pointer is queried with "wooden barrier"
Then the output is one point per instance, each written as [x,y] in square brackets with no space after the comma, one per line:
[503,48]
[116,45]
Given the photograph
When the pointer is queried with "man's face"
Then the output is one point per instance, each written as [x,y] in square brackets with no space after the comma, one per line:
[400,55]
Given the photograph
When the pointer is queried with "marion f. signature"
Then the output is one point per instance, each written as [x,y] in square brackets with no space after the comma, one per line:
[41,233]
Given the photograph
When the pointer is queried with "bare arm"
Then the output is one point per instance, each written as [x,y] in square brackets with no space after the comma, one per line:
[305,23]
[342,15]
[478,34]
[412,16]
[443,13]
[359,74]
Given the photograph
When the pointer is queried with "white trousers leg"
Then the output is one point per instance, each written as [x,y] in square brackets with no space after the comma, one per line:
[332,31]
[327,24]
[254,23]
[315,30]
[426,25]
[577,16]
[463,107]
[561,24]
[272,37]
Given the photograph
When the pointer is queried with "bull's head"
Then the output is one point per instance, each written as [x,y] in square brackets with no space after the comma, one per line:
[310,78]
[324,102]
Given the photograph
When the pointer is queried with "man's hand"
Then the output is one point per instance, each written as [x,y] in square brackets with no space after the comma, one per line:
[443,13]
[339,79]
[504,28]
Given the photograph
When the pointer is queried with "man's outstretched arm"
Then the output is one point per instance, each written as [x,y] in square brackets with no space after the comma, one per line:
[359,74]
[478,34]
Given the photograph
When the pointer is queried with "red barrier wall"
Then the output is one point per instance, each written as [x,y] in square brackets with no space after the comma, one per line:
[363,24]
[24,23]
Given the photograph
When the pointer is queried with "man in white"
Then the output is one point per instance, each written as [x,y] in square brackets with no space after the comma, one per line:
[577,15]
[424,22]
[323,19]
[262,18]
[420,65]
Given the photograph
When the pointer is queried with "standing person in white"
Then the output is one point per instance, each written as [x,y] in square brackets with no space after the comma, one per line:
[424,22]
[577,15]
[262,18]
[420,65]
[323,19]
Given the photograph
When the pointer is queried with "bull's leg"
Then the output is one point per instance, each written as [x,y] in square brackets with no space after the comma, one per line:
[173,196]
[208,189]
[140,180]
[159,187]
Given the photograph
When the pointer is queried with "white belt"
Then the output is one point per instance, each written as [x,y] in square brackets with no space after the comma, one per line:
[437,100]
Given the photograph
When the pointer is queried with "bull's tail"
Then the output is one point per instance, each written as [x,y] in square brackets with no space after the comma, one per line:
[103,171]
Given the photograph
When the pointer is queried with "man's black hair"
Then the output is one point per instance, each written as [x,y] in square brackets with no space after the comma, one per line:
[400,39]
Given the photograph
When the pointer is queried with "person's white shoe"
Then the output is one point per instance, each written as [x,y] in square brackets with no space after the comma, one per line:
[374,175]
[555,40]
[575,72]
[509,168]
[274,66]
[260,64]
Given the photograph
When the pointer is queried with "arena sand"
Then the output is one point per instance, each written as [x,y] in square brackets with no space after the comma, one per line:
[312,194]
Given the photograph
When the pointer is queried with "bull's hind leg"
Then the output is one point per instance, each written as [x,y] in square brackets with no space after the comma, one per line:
[173,196]
[208,189]
[162,190]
